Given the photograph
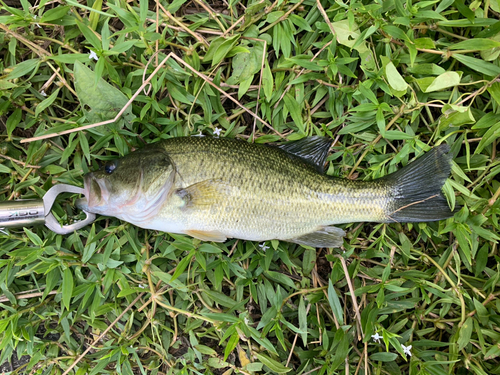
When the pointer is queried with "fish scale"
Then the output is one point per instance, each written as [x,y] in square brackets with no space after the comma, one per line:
[217,188]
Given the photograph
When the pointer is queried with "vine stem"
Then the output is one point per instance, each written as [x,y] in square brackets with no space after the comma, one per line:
[454,286]
[103,334]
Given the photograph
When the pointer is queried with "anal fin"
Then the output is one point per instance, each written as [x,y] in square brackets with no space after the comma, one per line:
[324,237]
[214,235]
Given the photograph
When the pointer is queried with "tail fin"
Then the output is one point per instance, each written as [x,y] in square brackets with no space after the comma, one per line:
[416,189]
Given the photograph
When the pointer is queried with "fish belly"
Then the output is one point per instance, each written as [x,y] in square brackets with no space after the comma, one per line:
[258,219]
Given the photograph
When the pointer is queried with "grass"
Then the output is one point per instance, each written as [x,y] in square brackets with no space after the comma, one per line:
[385,79]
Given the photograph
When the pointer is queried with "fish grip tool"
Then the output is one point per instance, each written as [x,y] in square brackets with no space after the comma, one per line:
[28,212]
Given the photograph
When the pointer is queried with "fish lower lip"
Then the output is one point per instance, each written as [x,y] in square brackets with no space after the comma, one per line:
[82,204]
[92,193]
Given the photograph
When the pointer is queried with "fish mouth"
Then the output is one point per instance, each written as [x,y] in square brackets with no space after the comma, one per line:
[94,191]
[83,203]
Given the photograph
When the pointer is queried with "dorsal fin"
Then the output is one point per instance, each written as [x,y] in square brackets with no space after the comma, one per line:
[313,150]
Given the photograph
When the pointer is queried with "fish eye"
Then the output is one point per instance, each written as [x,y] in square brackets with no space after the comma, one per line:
[110,167]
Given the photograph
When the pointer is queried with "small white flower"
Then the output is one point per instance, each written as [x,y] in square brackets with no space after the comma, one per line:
[141,286]
[246,320]
[37,25]
[407,349]
[198,135]
[43,93]
[263,246]
[93,55]
[217,132]
[376,337]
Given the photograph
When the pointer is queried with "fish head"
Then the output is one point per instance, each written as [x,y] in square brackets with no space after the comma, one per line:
[131,188]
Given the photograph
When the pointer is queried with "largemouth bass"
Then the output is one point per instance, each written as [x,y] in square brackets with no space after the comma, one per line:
[217,188]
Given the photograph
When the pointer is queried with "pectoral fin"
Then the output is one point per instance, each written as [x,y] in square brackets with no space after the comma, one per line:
[324,237]
[203,193]
[214,236]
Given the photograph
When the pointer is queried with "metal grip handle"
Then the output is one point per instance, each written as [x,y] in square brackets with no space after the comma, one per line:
[21,213]
[25,213]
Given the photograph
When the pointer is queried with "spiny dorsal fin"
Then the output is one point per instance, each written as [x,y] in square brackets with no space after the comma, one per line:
[313,150]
